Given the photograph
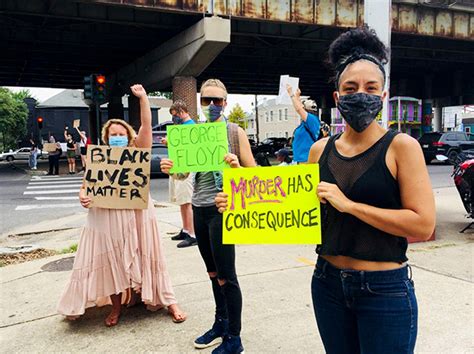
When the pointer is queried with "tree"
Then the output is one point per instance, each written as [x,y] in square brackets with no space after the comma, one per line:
[23,94]
[168,95]
[13,118]
[237,116]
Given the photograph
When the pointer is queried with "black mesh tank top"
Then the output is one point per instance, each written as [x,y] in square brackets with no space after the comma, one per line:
[364,178]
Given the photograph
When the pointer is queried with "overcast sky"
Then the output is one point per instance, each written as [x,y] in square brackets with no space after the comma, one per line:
[245,101]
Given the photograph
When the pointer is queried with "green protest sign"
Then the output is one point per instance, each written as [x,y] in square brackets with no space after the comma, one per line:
[197,147]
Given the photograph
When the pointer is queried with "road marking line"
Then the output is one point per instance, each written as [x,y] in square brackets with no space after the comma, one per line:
[57,198]
[62,191]
[306,261]
[46,206]
[57,179]
[50,183]
[55,187]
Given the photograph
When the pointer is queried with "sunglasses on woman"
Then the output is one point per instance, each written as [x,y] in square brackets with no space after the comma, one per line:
[218,101]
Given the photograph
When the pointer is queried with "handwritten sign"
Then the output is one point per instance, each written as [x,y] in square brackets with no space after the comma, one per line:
[76,123]
[272,205]
[118,178]
[49,147]
[197,147]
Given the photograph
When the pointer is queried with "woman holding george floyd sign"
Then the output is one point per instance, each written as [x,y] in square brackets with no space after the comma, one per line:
[218,258]
[120,252]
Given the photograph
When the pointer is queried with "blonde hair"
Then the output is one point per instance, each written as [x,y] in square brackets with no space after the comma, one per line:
[214,83]
[130,132]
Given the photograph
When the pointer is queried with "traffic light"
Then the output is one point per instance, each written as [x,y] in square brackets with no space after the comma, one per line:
[88,89]
[100,88]
[39,120]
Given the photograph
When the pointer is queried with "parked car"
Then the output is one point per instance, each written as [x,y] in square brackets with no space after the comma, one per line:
[158,151]
[21,154]
[449,144]
[270,145]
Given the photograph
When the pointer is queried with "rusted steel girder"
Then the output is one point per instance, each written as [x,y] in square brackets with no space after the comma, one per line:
[408,16]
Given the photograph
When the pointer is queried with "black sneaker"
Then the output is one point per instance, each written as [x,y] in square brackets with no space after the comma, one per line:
[214,335]
[230,345]
[180,237]
[187,242]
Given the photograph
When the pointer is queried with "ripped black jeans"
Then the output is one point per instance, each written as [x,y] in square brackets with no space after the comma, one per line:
[219,259]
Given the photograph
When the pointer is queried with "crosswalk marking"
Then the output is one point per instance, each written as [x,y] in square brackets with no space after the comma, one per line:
[57,198]
[62,191]
[55,187]
[45,206]
[71,179]
[50,192]
[52,183]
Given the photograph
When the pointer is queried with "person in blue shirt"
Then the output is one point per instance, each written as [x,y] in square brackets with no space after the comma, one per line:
[181,189]
[307,133]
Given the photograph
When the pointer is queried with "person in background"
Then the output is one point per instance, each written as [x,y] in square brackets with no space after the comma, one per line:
[324,131]
[82,147]
[71,151]
[33,155]
[53,157]
[181,186]
[307,133]
[283,157]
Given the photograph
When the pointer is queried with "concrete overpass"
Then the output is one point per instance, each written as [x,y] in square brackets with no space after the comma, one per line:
[55,43]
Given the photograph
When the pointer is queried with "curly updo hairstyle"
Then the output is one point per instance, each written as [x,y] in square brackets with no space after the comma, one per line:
[356,44]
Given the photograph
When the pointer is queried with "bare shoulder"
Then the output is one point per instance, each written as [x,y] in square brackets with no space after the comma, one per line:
[317,149]
[403,143]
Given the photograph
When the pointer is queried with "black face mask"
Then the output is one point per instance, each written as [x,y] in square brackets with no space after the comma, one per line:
[359,109]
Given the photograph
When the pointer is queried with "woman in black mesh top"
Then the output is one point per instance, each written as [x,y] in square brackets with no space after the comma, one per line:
[376,192]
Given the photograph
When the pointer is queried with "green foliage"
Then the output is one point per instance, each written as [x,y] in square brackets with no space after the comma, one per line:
[21,95]
[168,95]
[13,118]
[70,249]
[237,116]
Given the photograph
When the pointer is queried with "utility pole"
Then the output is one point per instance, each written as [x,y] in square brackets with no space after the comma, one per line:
[256,119]
[377,17]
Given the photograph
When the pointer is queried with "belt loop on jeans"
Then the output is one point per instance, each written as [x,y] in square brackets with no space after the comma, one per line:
[324,267]
[410,272]
[362,280]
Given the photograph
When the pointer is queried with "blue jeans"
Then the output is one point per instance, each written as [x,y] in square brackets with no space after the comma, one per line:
[33,161]
[364,312]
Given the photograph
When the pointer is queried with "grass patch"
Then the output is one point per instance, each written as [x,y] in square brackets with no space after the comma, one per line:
[70,249]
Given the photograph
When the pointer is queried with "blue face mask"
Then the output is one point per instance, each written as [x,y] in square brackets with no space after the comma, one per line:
[118,141]
[177,119]
[212,112]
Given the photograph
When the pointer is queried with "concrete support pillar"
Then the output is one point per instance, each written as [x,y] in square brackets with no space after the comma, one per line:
[134,112]
[185,88]
[115,108]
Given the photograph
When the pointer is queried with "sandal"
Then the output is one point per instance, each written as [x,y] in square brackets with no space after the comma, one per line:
[176,314]
[112,319]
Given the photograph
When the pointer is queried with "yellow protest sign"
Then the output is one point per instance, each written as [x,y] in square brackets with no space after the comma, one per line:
[272,205]
[118,178]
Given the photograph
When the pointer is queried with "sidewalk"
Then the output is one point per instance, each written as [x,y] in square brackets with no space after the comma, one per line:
[275,281]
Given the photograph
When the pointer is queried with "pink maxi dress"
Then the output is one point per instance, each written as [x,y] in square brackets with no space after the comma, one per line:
[119,250]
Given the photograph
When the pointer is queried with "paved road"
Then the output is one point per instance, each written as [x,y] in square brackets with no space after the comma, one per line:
[29,199]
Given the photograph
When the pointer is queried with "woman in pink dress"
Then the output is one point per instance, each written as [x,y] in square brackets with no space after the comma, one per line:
[120,253]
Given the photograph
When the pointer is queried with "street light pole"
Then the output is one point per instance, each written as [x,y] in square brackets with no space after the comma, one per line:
[256,119]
